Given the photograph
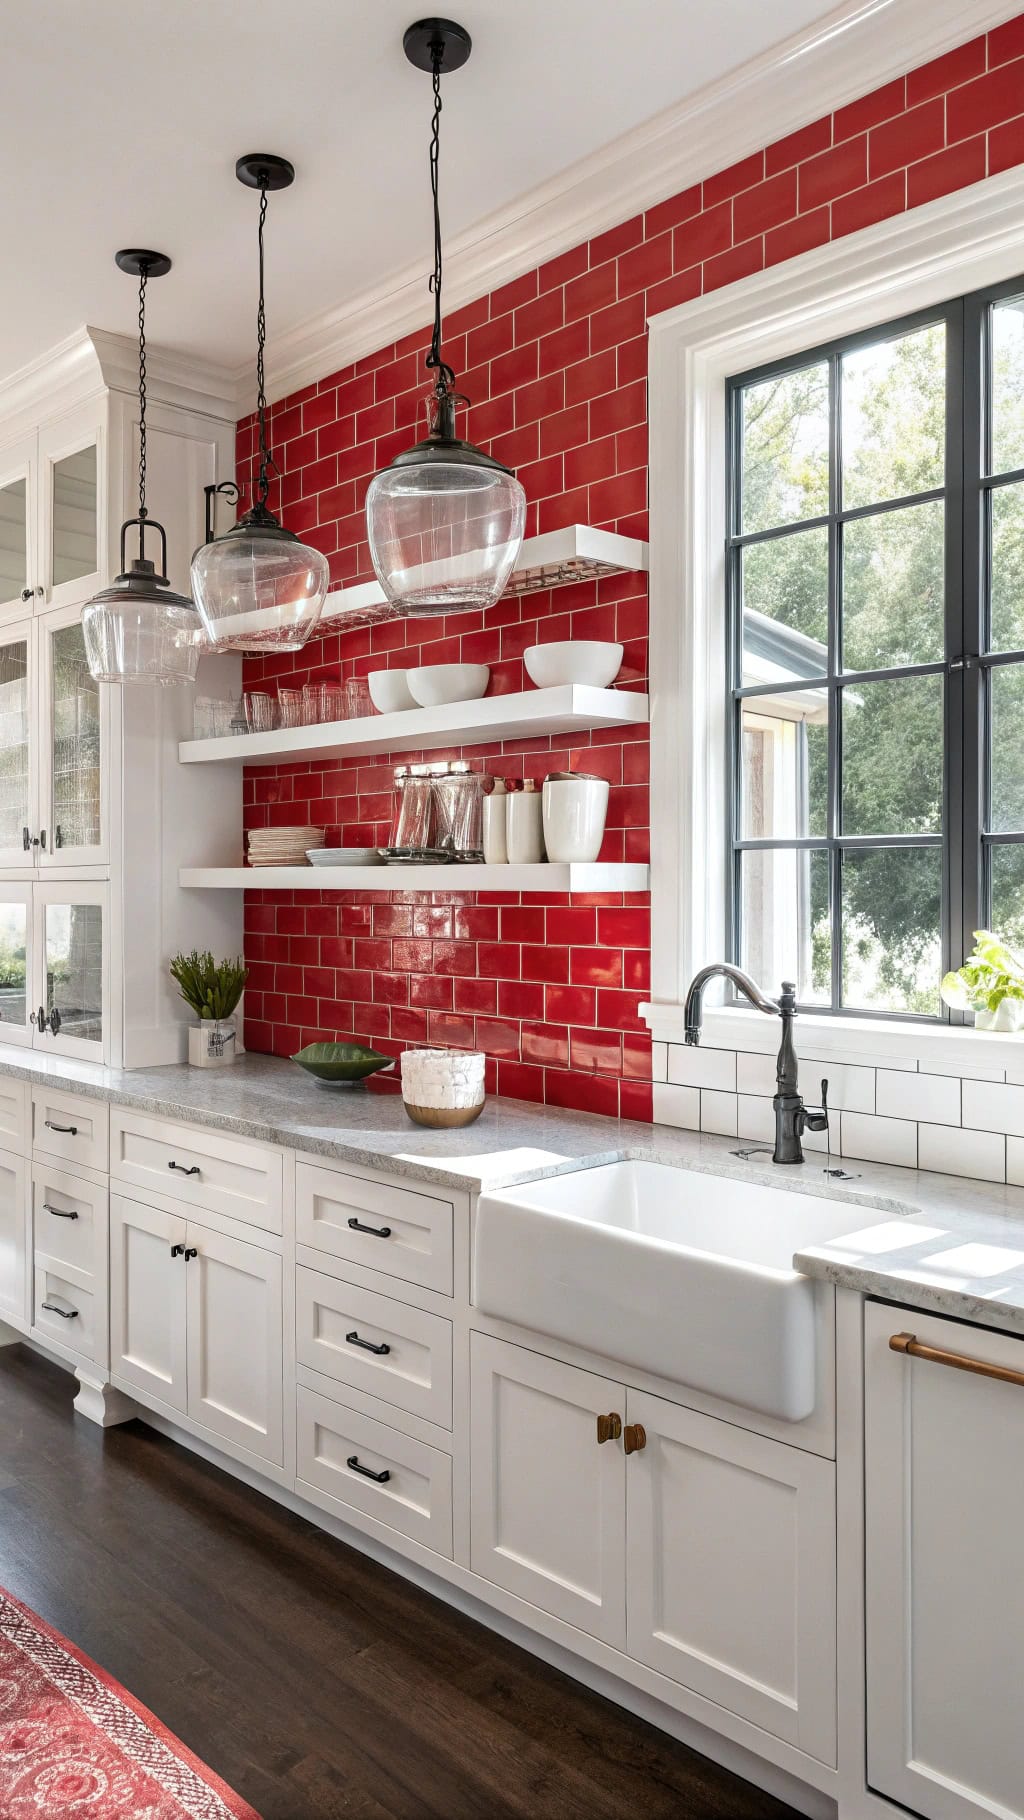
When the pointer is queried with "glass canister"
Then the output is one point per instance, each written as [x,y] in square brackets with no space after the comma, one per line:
[413,829]
[459,796]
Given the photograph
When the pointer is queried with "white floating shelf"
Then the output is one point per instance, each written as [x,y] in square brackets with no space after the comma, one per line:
[547,877]
[573,708]
[577,553]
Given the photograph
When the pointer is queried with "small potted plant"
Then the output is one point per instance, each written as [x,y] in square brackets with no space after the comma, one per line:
[212,990]
[990,983]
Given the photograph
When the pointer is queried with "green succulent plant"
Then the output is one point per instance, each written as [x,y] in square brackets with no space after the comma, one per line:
[988,976]
[211,988]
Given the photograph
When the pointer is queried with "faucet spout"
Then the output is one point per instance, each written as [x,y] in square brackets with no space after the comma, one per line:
[694,1014]
[792,1117]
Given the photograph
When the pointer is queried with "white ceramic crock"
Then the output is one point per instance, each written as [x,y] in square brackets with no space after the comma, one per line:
[212,1043]
[575,809]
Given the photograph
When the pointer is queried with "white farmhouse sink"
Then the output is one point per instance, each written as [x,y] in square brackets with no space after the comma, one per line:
[685,1275]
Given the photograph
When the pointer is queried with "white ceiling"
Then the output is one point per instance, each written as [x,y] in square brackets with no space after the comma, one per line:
[122,119]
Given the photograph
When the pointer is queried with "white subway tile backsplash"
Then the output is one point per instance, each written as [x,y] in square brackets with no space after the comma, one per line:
[848,1086]
[755,1074]
[1015,1161]
[880,1140]
[690,1067]
[678,1106]
[935,1097]
[988,1106]
[718,1112]
[659,1061]
[953,1152]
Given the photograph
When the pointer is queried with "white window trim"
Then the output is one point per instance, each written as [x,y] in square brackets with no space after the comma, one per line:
[954,245]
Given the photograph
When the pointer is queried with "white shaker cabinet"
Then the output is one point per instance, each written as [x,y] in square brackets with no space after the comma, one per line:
[14,1228]
[196,1321]
[944,1456]
[53,510]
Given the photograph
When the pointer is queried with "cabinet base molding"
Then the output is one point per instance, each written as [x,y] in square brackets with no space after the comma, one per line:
[9,1336]
[101,1403]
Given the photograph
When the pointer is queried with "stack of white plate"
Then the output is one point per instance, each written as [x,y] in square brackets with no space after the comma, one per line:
[283,846]
[344,856]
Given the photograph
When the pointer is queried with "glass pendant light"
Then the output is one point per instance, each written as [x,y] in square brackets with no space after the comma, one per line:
[445,521]
[257,587]
[139,630]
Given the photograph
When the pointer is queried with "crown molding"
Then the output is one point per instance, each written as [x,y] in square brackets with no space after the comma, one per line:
[95,360]
[859,46]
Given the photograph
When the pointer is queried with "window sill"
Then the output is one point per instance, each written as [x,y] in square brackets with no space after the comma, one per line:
[871,1042]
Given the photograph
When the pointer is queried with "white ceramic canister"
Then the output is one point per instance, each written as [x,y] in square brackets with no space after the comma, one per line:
[443,1087]
[524,825]
[212,1043]
[575,809]
[495,823]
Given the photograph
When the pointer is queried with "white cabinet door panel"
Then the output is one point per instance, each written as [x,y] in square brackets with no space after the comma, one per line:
[945,1591]
[235,1341]
[732,1570]
[147,1299]
[548,1502]
[14,1226]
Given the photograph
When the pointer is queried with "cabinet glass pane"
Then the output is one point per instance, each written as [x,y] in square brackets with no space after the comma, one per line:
[14,815]
[74,516]
[74,968]
[13,540]
[13,947]
[75,710]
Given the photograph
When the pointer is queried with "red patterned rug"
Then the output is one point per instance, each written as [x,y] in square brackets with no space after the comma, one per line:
[75,1746]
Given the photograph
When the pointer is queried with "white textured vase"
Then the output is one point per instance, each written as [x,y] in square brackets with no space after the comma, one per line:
[1008,1016]
[442,1087]
[575,809]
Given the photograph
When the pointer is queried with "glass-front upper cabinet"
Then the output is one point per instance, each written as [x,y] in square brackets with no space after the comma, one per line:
[71,521]
[16,963]
[73,792]
[17,526]
[18,831]
[70,938]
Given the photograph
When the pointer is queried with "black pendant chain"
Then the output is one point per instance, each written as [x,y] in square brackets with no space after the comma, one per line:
[266,459]
[445,376]
[143,275]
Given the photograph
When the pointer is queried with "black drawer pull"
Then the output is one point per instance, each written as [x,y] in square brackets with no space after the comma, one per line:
[352,1339]
[59,1212]
[65,1130]
[379,1478]
[376,1232]
[66,1314]
[180,1167]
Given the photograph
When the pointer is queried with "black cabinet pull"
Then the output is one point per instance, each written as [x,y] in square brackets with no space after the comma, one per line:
[59,1213]
[180,1167]
[26,840]
[66,1130]
[190,1252]
[42,838]
[379,1478]
[376,1232]
[66,1314]
[58,838]
[177,1251]
[352,1339]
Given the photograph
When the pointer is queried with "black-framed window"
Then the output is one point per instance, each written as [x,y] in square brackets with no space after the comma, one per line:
[875,586]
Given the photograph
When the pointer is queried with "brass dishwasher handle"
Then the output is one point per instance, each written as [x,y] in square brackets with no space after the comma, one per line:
[933,1355]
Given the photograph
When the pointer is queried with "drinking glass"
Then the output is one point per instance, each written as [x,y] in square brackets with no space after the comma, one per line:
[357,698]
[311,705]
[289,702]
[259,711]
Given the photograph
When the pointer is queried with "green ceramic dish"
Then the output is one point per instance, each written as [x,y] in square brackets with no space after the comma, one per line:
[341,1064]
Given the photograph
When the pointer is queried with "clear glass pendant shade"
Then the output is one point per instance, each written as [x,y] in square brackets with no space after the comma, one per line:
[139,630]
[258,588]
[445,524]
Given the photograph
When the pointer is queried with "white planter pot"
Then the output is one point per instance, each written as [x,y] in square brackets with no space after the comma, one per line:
[212,1043]
[574,816]
[1007,1017]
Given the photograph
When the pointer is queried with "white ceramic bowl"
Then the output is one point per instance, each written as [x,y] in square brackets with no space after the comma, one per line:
[437,684]
[389,690]
[577,660]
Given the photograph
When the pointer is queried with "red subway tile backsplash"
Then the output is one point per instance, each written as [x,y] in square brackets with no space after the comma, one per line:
[556,365]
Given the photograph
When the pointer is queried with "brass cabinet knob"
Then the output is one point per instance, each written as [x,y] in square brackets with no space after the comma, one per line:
[609,1428]
[634,1437]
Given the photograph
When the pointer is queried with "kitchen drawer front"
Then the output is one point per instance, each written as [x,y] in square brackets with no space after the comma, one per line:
[393,1230]
[15,1115]
[202,1169]
[70,1219]
[76,1326]
[77,1129]
[416,1495]
[414,1368]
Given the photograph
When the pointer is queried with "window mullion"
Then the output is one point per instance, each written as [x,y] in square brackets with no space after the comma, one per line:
[835,758]
[973,628]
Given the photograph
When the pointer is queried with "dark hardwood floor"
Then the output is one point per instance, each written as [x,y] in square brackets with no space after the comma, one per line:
[316,1682]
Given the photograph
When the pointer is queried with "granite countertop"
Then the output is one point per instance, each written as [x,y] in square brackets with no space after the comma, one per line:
[936,1242]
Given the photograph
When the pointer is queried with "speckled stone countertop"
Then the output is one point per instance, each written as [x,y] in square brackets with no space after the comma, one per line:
[936,1242]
